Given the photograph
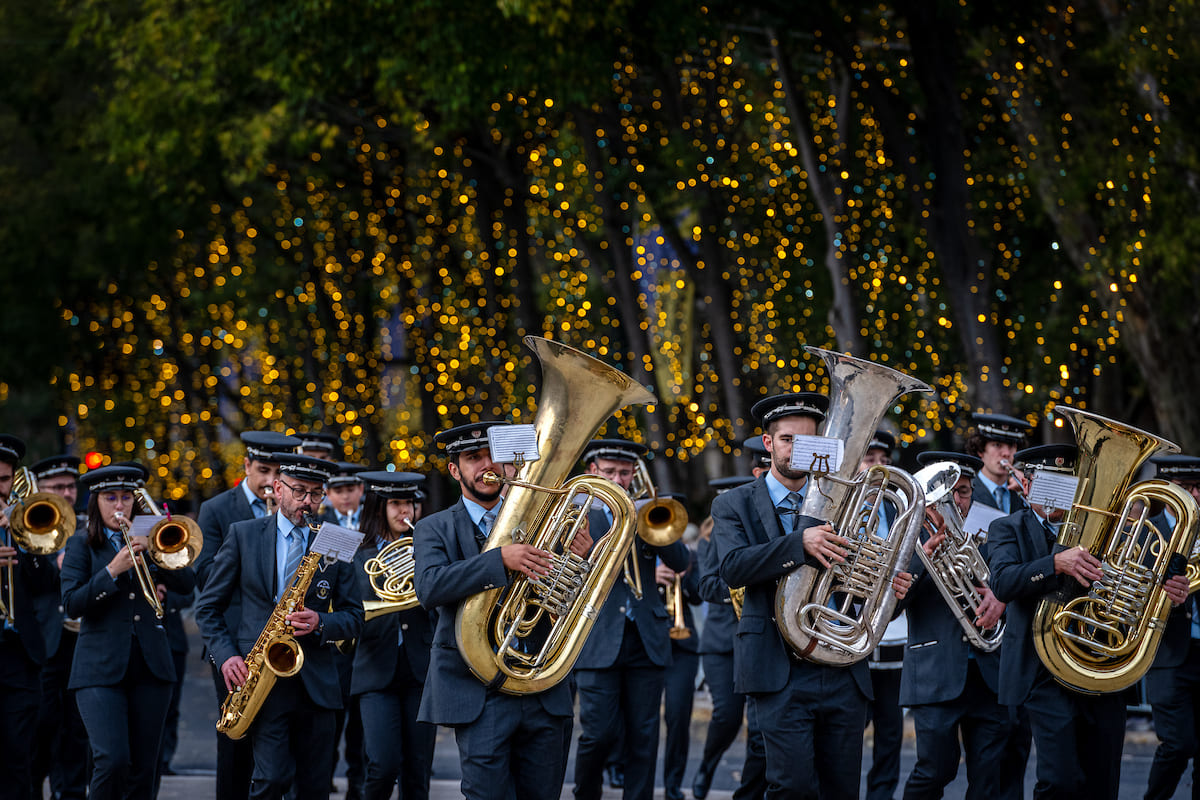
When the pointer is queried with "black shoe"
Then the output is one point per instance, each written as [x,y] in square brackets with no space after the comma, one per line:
[616,776]
[702,781]
[672,794]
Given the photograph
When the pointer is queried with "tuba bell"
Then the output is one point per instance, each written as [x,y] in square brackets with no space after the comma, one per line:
[815,608]
[1106,639]
[956,567]
[493,627]
[391,576]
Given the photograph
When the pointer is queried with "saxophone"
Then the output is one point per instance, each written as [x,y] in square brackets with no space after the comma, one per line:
[276,654]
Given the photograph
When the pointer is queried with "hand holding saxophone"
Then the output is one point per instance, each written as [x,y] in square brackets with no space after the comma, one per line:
[235,672]
[824,545]
[304,621]
[1079,564]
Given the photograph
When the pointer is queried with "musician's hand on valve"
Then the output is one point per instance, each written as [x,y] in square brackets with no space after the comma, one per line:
[824,545]
[1079,564]
[901,583]
[526,559]
[931,544]
[1176,588]
[664,575]
[582,542]
[990,609]
[304,621]
[234,672]
[8,556]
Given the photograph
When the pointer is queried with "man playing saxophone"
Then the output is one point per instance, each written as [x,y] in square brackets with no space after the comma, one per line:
[1078,737]
[811,715]
[292,734]
[509,745]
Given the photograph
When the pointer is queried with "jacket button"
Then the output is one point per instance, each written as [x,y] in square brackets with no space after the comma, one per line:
[788,564]
[137,617]
[132,596]
[621,609]
[403,626]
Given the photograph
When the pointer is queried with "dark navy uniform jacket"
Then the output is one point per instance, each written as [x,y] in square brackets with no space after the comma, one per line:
[377,650]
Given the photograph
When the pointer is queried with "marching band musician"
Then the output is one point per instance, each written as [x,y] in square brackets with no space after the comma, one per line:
[509,745]
[123,672]
[621,669]
[1173,681]
[252,498]
[61,746]
[292,735]
[22,642]
[680,687]
[319,444]
[1078,737]
[811,715]
[392,656]
[995,442]
[344,491]
[949,685]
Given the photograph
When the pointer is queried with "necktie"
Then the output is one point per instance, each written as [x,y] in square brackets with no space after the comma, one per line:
[295,554]
[789,512]
[259,509]
[485,526]
[1001,498]
[1051,536]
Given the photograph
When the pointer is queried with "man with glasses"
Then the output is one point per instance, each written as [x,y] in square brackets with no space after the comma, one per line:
[252,498]
[292,736]
[1173,682]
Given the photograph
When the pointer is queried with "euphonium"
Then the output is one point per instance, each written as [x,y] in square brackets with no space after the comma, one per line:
[141,570]
[38,522]
[276,653]
[391,575]
[492,628]
[956,567]
[815,608]
[175,541]
[1106,639]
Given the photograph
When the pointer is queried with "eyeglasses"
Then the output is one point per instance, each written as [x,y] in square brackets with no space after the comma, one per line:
[317,495]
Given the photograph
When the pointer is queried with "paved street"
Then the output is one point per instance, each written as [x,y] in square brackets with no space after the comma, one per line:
[194,760]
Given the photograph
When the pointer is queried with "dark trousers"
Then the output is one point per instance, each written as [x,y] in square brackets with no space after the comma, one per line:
[985,727]
[727,708]
[1174,693]
[19,697]
[753,785]
[813,733]
[1078,739]
[235,759]
[348,722]
[399,750]
[61,744]
[124,725]
[679,690]
[630,690]
[513,750]
[171,727]
[292,742]
[888,719]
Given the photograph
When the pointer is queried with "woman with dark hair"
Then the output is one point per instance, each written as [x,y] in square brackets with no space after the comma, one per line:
[392,656]
[123,671]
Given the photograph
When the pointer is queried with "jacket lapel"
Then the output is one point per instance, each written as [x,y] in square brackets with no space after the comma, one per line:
[766,509]
[265,542]
[464,530]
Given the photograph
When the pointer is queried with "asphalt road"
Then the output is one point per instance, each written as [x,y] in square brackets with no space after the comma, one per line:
[195,758]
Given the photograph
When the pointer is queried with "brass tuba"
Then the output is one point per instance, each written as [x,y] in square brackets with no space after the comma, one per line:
[815,608]
[174,542]
[956,567]
[1105,640]
[493,627]
[391,575]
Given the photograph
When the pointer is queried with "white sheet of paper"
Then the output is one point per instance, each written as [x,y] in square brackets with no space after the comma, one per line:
[140,526]
[1053,490]
[817,453]
[336,542]
[507,442]
[978,519]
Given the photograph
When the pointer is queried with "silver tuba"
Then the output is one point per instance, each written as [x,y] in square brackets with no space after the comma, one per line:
[956,567]
[837,616]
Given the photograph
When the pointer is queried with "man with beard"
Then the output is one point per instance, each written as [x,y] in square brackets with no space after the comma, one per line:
[811,715]
[509,745]
[292,735]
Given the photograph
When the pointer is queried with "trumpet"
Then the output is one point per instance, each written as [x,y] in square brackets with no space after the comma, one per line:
[269,500]
[391,575]
[140,568]
[673,592]
[38,522]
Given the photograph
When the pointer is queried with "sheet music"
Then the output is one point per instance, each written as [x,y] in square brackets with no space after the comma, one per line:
[337,542]
[978,519]
[817,453]
[1053,490]
[140,526]
[507,442]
